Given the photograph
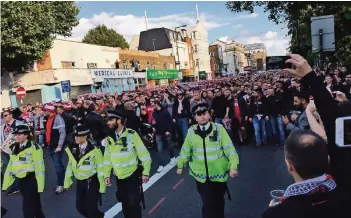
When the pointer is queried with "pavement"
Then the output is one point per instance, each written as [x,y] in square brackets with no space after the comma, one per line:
[171,196]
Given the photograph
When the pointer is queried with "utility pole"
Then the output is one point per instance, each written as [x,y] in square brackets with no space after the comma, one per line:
[153,56]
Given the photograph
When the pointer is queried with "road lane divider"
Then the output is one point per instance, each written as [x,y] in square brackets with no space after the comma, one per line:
[176,185]
[156,206]
[117,208]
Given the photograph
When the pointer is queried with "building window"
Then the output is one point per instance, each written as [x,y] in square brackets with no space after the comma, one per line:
[135,81]
[196,48]
[212,54]
[194,35]
[171,66]
[67,64]
[165,66]
[155,65]
[185,64]
[125,64]
[197,62]
[92,65]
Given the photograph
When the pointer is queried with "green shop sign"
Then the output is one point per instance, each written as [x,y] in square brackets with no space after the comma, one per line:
[162,74]
[202,75]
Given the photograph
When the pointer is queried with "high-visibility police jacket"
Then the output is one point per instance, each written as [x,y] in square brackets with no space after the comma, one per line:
[122,155]
[88,165]
[23,161]
[211,158]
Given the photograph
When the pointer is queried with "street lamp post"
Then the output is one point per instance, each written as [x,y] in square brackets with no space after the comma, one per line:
[153,57]
[175,30]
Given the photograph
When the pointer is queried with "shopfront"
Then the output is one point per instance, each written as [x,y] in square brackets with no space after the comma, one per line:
[188,75]
[202,75]
[112,80]
[162,77]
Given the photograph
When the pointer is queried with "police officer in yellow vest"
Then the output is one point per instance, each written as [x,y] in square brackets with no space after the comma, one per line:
[27,164]
[212,160]
[123,153]
[85,163]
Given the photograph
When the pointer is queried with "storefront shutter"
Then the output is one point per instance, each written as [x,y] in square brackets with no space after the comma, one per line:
[80,90]
[32,97]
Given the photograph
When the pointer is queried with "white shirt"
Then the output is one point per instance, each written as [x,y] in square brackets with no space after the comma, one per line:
[206,126]
[23,144]
[82,147]
[118,134]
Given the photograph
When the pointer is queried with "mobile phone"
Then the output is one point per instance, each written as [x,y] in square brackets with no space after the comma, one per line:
[343,132]
[277,62]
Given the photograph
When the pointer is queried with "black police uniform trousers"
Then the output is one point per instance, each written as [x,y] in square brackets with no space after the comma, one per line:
[87,197]
[212,195]
[128,192]
[31,205]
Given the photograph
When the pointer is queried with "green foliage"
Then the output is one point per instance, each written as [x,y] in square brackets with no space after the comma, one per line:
[297,15]
[101,35]
[29,28]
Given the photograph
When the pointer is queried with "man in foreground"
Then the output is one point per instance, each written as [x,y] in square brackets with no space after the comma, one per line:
[213,159]
[314,193]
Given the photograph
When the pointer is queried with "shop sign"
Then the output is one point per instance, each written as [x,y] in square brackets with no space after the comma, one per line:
[162,74]
[202,75]
[188,72]
[111,73]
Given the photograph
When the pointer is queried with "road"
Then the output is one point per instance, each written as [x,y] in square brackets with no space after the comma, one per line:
[173,196]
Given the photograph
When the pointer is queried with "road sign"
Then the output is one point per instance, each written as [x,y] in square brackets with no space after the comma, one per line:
[322,32]
[66,86]
[21,92]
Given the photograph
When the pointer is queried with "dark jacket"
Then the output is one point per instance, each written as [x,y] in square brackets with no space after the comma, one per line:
[163,121]
[242,107]
[325,205]
[327,107]
[276,106]
[58,132]
[219,106]
[78,114]
[133,122]
[98,129]
[257,106]
[186,113]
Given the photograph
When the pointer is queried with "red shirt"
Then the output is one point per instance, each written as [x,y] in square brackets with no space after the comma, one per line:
[25,116]
[237,109]
[149,111]
[49,124]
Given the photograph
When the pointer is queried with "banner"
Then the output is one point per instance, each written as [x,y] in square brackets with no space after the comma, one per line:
[162,74]
[111,73]
[202,75]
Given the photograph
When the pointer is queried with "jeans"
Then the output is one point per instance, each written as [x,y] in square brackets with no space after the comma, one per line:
[160,139]
[277,121]
[219,120]
[41,140]
[58,164]
[5,161]
[183,125]
[260,129]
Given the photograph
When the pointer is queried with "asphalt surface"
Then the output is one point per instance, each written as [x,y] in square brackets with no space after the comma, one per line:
[173,196]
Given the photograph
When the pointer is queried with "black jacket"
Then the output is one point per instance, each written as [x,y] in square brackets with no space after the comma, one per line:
[257,106]
[163,121]
[219,106]
[242,107]
[325,205]
[186,113]
[69,121]
[327,107]
[133,122]
[98,129]
[276,106]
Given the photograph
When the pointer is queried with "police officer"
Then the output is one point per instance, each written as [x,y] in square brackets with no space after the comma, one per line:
[213,159]
[27,165]
[85,163]
[123,153]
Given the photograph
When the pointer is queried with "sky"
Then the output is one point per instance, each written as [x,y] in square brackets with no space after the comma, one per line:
[127,18]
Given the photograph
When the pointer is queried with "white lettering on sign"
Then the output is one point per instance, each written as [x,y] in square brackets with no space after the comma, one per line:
[111,73]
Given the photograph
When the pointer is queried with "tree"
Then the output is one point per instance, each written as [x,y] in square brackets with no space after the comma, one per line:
[29,28]
[101,35]
[297,15]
